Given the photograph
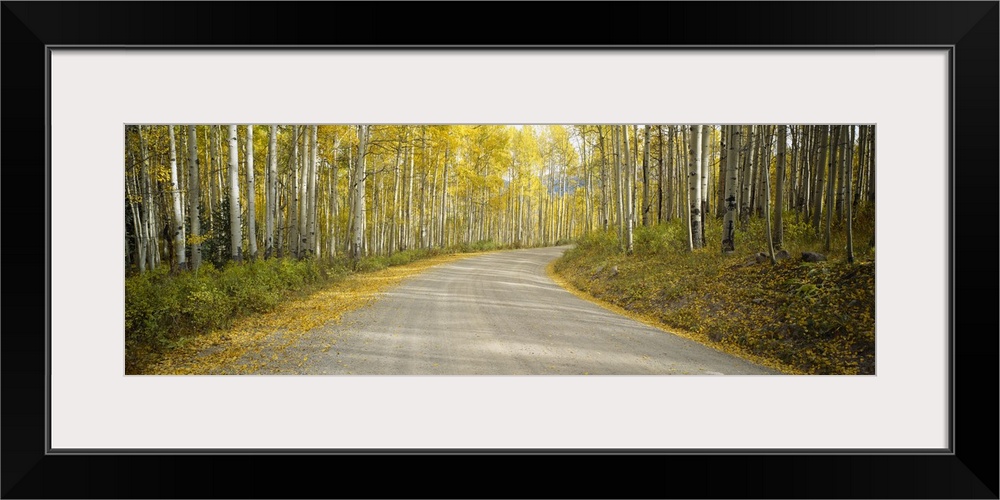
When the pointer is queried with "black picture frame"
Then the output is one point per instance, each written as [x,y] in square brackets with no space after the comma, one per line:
[969,470]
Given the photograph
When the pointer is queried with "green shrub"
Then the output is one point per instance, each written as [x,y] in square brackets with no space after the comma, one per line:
[485,246]
[372,263]
[600,243]
[208,307]
[161,307]
[668,237]
[814,318]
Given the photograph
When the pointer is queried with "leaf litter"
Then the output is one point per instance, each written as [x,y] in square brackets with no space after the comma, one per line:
[259,339]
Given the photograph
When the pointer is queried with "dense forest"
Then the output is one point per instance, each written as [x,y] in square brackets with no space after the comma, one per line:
[221,193]
[756,239]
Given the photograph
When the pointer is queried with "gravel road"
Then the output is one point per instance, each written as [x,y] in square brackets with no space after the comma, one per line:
[495,314]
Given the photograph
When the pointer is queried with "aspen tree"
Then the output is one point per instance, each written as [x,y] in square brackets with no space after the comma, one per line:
[194,197]
[178,219]
[729,220]
[779,202]
[357,247]
[694,185]
[251,196]
[235,225]
[271,198]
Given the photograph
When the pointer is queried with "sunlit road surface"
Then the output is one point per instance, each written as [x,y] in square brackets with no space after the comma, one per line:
[497,314]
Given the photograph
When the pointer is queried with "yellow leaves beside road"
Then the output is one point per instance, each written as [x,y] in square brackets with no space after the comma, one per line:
[257,339]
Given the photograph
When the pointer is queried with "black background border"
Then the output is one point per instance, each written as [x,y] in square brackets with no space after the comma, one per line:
[970,472]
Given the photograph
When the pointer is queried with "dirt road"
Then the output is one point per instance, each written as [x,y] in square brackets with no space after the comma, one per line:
[495,314]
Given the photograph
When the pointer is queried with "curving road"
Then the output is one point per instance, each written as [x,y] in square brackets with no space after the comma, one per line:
[496,314]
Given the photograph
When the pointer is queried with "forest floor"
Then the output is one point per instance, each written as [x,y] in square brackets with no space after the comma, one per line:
[795,316]
[267,334]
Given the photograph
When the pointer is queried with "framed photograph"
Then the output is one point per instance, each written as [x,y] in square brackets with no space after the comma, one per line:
[923,74]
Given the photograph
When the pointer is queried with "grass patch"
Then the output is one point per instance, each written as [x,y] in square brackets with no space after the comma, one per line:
[816,318]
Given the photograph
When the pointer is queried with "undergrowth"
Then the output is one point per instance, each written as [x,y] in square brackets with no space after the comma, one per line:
[164,311]
[802,317]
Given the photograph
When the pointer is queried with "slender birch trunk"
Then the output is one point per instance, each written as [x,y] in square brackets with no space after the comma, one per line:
[150,208]
[619,181]
[444,199]
[819,167]
[765,171]
[706,133]
[831,169]
[178,219]
[694,185]
[270,201]
[334,201]
[646,201]
[304,176]
[671,188]
[629,191]
[408,238]
[729,220]
[194,197]
[747,177]
[293,195]
[589,207]
[251,197]
[660,176]
[841,154]
[779,202]
[359,195]
[312,194]
[235,224]
[605,211]
[214,196]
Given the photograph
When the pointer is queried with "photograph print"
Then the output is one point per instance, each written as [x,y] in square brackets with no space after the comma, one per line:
[499,249]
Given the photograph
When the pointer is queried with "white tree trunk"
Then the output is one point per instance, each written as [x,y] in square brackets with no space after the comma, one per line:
[334,202]
[706,133]
[615,134]
[841,154]
[647,202]
[235,224]
[313,174]
[359,195]
[271,198]
[669,212]
[819,167]
[251,196]
[729,220]
[178,220]
[444,199]
[747,176]
[148,237]
[409,203]
[629,192]
[293,195]
[194,197]
[213,187]
[303,193]
[694,184]
[765,172]
[831,181]
[779,201]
